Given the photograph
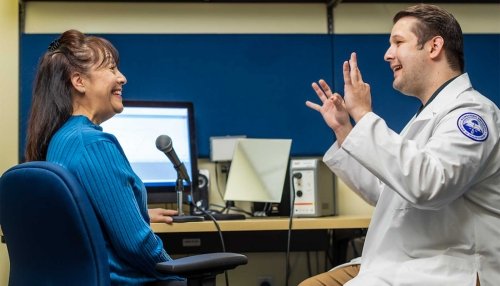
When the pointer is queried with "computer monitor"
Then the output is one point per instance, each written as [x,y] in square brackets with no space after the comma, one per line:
[258,170]
[137,128]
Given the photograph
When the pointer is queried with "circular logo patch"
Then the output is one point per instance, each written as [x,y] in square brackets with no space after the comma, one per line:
[473,126]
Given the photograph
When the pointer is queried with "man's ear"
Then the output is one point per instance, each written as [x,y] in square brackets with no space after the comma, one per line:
[78,82]
[436,46]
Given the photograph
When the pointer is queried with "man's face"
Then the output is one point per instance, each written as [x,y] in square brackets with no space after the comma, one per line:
[407,60]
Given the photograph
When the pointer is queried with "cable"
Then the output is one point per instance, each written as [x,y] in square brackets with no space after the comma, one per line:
[317,261]
[268,207]
[217,180]
[237,209]
[309,270]
[325,262]
[330,249]
[229,205]
[292,203]
[218,206]
[287,260]
[226,209]
[190,200]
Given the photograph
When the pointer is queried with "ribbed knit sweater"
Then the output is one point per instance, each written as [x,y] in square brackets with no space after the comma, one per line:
[118,197]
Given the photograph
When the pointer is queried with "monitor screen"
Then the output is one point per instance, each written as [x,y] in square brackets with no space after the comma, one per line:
[137,128]
[258,170]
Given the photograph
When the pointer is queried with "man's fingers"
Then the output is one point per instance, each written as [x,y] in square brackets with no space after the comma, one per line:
[327,96]
[355,73]
[326,88]
[353,63]
[322,90]
[313,105]
[322,96]
[338,101]
[346,73]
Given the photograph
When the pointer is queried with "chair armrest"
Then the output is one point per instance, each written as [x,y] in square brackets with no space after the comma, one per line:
[196,264]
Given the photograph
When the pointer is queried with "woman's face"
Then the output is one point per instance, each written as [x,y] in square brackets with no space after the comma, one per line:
[102,98]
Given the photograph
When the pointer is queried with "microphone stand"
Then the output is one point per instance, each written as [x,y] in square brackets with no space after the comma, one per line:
[181,217]
[179,188]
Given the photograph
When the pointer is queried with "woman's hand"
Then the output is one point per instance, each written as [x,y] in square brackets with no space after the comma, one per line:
[161,215]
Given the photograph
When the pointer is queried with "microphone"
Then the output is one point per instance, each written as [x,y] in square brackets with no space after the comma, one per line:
[164,144]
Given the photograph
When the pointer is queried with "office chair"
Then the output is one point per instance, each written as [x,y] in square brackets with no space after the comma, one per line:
[53,236]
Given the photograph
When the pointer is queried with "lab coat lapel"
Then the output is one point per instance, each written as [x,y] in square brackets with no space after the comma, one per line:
[413,127]
[443,100]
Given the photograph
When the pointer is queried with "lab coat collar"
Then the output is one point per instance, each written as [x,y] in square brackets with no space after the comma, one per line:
[445,97]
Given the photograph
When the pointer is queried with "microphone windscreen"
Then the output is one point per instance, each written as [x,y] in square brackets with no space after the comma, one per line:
[164,143]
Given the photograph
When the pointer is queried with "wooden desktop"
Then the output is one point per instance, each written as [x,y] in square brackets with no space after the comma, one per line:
[267,224]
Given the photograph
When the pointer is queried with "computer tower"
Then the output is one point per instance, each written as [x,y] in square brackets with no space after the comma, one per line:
[312,188]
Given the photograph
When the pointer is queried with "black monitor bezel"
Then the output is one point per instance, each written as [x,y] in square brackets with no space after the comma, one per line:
[167,194]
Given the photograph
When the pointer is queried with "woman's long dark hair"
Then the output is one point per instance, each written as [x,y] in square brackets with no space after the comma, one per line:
[51,103]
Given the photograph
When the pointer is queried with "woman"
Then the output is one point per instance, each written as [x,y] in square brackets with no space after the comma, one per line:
[77,87]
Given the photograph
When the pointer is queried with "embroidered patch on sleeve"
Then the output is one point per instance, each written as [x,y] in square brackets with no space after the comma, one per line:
[473,126]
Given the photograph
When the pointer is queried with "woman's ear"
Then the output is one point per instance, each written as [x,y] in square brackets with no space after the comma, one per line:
[78,82]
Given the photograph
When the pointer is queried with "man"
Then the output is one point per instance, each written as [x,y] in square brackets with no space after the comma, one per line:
[436,186]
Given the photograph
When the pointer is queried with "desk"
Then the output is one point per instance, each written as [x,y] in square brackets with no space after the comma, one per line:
[267,224]
[258,234]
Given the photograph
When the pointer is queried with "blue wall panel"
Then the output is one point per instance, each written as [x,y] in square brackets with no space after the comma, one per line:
[256,85]
[482,62]
[253,85]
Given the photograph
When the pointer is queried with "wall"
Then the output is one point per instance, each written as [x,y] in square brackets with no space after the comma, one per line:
[9,47]
[55,17]
[9,56]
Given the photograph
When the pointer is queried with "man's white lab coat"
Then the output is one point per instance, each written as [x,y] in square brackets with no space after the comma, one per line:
[436,187]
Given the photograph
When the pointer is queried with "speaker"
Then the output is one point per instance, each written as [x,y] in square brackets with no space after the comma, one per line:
[201,195]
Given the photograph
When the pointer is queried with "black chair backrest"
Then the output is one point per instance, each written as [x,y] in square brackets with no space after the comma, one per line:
[52,233]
